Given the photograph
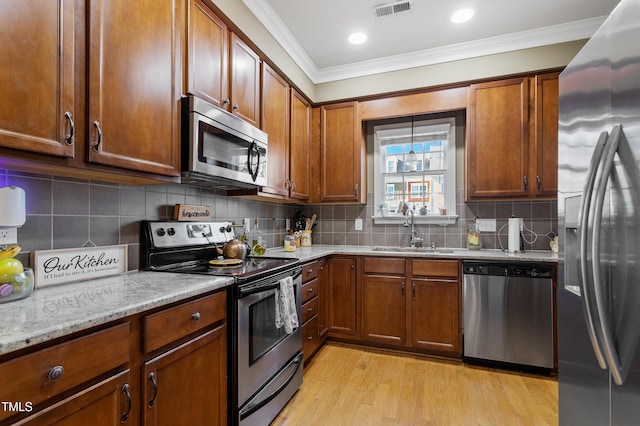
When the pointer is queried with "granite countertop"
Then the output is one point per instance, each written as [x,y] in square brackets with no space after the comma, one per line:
[60,310]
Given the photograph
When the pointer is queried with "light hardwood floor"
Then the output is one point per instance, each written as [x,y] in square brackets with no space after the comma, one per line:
[348,385]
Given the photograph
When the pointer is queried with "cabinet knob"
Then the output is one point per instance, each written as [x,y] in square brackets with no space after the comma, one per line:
[55,373]
[195,316]
[226,102]
[236,107]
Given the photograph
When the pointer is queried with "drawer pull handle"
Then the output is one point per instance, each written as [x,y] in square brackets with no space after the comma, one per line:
[152,378]
[309,338]
[127,393]
[310,271]
[55,373]
[195,316]
[309,309]
[309,290]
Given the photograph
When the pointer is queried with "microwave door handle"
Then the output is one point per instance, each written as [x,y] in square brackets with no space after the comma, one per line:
[583,225]
[253,149]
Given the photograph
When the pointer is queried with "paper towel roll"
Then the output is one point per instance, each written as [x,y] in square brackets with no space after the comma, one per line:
[12,207]
[515,225]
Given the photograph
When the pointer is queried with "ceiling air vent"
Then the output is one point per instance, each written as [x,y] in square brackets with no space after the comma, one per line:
[391,8]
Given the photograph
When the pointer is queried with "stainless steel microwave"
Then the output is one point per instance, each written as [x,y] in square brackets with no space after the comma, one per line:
[219,149]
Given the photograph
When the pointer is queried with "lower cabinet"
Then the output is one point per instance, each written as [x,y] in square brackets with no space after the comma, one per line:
[106,403]
[413,303]
[187,385]
[342,297]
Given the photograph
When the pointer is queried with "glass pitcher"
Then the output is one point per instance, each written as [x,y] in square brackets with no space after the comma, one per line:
[473,237]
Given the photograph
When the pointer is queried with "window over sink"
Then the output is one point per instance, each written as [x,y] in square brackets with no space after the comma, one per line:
[414,166]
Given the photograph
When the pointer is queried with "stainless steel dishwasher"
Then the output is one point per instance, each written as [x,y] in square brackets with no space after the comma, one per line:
[508,312]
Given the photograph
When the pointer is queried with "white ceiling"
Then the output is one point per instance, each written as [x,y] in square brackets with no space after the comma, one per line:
[314,32]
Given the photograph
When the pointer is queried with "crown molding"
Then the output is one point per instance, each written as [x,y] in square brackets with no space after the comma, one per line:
[554,34]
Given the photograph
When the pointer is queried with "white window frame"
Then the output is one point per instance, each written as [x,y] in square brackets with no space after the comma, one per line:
[403,130]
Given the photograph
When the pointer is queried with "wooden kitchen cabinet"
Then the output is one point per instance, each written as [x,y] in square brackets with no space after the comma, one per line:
[412,304]
[84,366]
[310,305]
[299,148]
[436,307]
[342,297]
[38,103]
[323,297]
[512,128]
[245,81]
[342,154]
[186,384]
[207,55]
[133,84]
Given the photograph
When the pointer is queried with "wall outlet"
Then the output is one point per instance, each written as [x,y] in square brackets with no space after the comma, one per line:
[486,225]
[358,224]
[247,223]
[8,236]
[287,224]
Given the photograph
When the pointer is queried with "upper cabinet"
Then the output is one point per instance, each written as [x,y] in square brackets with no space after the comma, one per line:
[342,171]
[245,81]
[300,147]
[207,55]
[221,68]
[38,105]
[512,138]
[134,88]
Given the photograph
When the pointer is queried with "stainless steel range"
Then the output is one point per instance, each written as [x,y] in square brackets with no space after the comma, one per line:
[265,361]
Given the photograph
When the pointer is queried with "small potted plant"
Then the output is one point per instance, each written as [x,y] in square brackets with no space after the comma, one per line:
[384,210]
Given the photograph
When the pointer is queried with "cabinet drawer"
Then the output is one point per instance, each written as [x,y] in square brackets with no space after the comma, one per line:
[435,268]
[169,325]
[309,309]
[310,338]
[43,374]
[309,271]
[309,290]
[384,265]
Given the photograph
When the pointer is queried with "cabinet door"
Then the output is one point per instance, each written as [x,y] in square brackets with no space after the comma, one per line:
[435,315]
[275,122]
[245,81]
[546,135]
[188,385]
[342,296]
[37,76]
[384,311]
[134,84]
[323,295]
[339,153]
[300,147]
[497,143]
[207,55]
[107,403]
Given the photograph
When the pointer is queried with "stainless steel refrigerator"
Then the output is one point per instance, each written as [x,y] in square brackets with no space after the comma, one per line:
[599,220]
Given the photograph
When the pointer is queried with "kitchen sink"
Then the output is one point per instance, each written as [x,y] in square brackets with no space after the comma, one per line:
[413,249]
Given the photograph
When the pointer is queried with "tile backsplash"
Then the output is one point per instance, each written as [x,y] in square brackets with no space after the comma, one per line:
[67,213]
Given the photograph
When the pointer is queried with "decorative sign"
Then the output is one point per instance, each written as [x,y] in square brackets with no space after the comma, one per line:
[190,212]
[77,264]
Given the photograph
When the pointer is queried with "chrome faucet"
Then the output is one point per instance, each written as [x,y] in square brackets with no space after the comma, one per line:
[415,239]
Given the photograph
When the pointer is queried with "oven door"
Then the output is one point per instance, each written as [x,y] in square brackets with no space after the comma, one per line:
[263,349]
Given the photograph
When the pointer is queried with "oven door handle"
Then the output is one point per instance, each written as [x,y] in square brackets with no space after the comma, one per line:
[251,407]
[249,290]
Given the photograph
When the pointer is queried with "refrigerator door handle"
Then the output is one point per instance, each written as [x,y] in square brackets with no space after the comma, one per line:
[607,337]
[583,225]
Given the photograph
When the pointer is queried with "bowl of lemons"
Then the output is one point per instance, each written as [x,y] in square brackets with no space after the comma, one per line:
[16,281]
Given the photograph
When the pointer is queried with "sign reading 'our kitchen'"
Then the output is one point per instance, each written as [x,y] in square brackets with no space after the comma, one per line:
[67,265]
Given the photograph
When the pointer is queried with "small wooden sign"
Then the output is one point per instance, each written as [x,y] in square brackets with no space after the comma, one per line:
[190,212]
[77,264]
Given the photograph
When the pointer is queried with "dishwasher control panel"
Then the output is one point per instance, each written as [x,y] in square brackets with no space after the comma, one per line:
[513,269]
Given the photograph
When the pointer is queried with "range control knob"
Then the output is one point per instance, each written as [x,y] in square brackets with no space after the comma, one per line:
[160,232]
[171,231]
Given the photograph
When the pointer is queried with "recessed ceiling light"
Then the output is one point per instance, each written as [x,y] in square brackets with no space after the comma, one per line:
[462,15]
[357,38]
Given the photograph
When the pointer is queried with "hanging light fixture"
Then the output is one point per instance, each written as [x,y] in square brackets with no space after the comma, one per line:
[412,158]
